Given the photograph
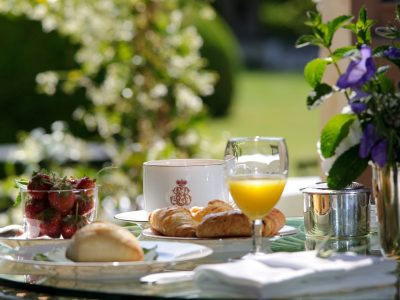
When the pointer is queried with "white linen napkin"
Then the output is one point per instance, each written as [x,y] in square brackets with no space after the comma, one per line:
[285,274]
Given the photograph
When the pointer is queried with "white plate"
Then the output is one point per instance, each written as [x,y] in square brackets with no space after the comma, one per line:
[222,247]
[20,262]
[137,216]
[286,230]
[21,241]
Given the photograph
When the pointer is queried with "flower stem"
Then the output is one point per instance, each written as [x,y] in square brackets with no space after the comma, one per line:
[339,72]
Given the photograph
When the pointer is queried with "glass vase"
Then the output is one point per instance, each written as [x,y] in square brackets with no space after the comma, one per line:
[385,184]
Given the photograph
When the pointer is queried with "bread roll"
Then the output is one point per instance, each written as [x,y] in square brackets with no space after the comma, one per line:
[213,206]
[104,242]
[173,221]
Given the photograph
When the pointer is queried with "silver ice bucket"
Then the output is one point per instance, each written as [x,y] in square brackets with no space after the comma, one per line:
[336,213]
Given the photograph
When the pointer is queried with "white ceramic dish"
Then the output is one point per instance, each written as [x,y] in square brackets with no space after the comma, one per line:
[21,241]
[225,247]
[136,216]
[286,230]
[21,261]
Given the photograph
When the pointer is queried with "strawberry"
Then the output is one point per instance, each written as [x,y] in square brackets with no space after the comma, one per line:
[84,204]
[71,224]
[51,225]
[61,197]
[34,208]
[38,186]
[86,183]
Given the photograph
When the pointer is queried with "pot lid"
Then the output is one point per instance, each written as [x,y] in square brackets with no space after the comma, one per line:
[322,188]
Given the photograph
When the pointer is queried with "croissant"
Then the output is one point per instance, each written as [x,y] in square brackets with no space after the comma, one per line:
[213,206]
[273,222]
[173,221]
[234,223]
[224,224]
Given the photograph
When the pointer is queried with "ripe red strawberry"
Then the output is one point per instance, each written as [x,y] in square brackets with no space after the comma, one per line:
[71,224]
[51,225]
[62,201]
[38,186]
[34,208]
[84,204]
[61,197]
[86,183]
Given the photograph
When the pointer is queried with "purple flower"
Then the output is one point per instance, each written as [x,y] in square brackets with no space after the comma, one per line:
[358,71]
[358,107]
[392,53]
[379,152]
[356,104]
[373,144]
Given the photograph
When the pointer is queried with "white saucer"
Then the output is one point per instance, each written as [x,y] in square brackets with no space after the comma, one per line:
[136,216]
[285,230]
[223,248]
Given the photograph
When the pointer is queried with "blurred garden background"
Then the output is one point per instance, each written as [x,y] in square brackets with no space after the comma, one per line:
[98,87]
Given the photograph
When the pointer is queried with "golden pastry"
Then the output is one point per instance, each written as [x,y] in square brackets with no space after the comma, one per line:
[235,223]
[273,222]
[213,206]
[173,221]
[224,224]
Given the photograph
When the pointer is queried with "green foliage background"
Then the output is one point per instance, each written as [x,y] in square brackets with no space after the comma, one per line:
[25,51]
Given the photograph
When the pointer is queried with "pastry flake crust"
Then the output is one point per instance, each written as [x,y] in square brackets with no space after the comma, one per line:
[231,223]
[173,221]
[217,220]
[213,206]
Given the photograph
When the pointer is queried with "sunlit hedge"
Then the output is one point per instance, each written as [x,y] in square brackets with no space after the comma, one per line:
[140,67]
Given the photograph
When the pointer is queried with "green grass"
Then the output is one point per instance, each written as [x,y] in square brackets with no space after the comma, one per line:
[272,104]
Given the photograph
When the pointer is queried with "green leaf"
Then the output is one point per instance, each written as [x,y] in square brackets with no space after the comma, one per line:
[314,18]
[363,28]
[150,254]
[342,52]
[21,183]
[351,27]
[321,92]
[314,71]
[382,70]
[385,84]
[380,50]
[18,200]
[333,26]
[334,132]
[362,15]
[41,257]
[306,40]
[346,169]
[388,32]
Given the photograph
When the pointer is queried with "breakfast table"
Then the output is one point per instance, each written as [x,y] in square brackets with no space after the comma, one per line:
[28,286]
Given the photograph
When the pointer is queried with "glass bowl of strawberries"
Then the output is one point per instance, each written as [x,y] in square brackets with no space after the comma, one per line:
[55,206]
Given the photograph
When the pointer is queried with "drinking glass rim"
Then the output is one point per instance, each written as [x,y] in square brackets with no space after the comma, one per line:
[25,189]
[184,162]
[257,138]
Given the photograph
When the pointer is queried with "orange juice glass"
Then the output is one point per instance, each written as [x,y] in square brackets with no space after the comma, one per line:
[256,170]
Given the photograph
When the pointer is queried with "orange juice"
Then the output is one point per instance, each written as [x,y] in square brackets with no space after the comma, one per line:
[256,196]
